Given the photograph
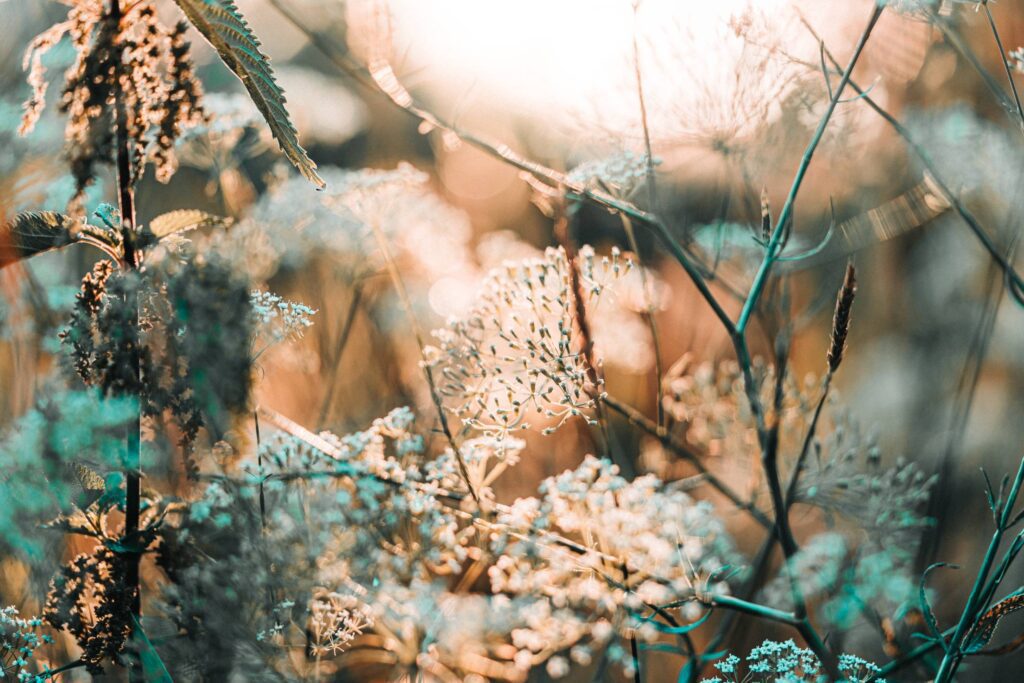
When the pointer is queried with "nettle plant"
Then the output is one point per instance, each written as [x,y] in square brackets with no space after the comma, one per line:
[386,553]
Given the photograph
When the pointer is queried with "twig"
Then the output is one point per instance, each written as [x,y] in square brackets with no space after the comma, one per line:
[339,349]
[975,603]
[131,261]
[403,294]
[787,209]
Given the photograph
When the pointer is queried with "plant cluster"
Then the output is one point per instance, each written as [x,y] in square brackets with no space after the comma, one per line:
[214,538]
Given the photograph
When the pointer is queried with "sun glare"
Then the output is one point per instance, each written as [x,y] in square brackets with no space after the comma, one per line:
[573,59]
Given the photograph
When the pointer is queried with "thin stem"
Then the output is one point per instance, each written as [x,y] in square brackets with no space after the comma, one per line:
[652,197]
[637,419]
[648,316]
[1006,65]
[805,448]
[403,295]
[131,261]
[785,215]
[953,657]
[1013,277]
[754,609]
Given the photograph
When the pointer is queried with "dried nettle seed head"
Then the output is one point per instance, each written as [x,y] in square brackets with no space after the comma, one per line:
[132,56]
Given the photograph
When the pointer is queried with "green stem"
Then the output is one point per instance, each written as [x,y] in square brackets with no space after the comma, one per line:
[131,259]
[953,655]
[1006,65]
[774,244]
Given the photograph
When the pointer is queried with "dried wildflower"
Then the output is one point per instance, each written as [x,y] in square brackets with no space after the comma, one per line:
[278,319]
[335,620]
[338,224]
[516,350]
[134,59]
[643,545]
[92,600]
[847,478]
[709,404]
[841,319]
[82,332]
[620,174]
[107,301]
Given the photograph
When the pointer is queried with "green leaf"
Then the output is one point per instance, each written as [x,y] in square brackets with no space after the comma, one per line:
[225,28]
[31,233]
[182,220]
[153,668]
[985,628]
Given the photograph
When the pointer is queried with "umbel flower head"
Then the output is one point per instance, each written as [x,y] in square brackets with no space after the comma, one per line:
[638,545]
[516,351]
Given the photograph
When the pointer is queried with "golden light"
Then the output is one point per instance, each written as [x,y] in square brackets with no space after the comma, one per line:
[571,62]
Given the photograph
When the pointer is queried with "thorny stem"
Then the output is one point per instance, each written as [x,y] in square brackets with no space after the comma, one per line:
[975,601]
[442,416]
[774,245]
[131,259]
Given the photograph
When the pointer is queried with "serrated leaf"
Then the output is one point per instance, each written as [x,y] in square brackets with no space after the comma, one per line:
[89,478]
[31,233]
[983,631]
[225,28]
[182,220]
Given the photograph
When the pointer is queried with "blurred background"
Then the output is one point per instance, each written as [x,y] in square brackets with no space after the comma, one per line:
[733,91]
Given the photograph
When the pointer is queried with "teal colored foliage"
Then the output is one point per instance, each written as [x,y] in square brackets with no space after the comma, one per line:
[39,480]
[784,662]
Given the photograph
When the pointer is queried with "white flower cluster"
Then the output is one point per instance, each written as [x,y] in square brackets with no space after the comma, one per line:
[571,572]
[619,174]
[624,547]
[334,622]
[278,318]
[338,224]
[517,351]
